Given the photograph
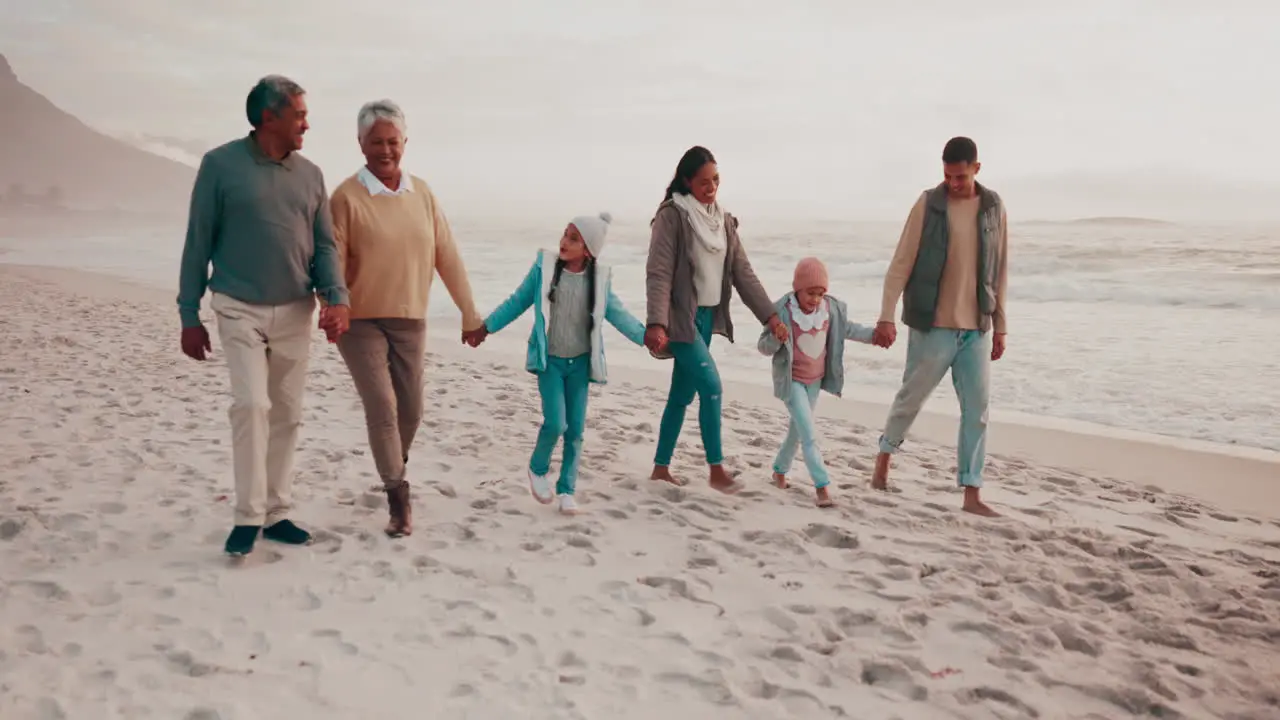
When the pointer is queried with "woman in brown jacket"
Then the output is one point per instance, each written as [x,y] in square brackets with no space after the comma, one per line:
[695,259]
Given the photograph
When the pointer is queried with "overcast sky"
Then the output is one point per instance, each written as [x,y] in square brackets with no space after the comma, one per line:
[836,108]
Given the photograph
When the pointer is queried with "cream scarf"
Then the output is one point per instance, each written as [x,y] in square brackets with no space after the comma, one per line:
[707,223]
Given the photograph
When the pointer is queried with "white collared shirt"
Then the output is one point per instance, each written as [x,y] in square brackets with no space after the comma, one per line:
[375,186]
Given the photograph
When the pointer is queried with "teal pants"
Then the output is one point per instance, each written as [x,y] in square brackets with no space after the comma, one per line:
[801,403]
[564,388]
[966,354]
[694,373]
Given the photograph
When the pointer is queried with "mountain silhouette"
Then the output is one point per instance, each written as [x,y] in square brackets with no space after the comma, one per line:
[44,147]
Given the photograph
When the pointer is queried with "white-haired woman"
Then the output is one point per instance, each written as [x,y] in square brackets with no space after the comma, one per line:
[392,238]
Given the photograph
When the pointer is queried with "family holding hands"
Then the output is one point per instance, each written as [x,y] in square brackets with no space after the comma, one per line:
[277,243]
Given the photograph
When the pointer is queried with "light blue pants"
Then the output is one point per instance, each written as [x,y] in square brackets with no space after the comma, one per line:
[967,354]
[564,388]
[694,372]
[801,403]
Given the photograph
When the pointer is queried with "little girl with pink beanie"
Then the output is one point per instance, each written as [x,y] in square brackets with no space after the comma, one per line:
[810,361]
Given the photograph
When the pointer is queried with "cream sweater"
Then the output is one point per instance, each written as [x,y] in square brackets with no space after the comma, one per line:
[958,290]
[391,246]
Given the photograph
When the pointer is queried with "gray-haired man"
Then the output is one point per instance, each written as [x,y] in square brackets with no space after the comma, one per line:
[260,216]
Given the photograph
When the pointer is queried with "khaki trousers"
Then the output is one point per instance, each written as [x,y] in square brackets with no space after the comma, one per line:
[266,349]
[386,359]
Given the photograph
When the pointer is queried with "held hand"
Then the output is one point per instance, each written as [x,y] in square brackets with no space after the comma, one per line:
[475,337]
[997,346]
[885,334]
[779,329]
[655,338]
[334,321]
[195,342]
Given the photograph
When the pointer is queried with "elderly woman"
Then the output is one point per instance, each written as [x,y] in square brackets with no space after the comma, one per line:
[695,260]
[392,237]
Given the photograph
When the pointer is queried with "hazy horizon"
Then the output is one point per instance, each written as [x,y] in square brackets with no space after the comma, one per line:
[825,109]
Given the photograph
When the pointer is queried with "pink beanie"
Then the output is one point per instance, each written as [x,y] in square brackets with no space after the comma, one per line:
[810,272]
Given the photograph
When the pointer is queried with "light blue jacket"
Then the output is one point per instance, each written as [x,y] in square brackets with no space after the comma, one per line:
[534,291]
[839,330]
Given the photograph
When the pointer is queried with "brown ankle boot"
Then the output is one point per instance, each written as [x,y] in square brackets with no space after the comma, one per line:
[401,522]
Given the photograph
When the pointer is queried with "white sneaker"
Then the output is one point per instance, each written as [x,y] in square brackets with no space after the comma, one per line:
[568,506]
[540,486]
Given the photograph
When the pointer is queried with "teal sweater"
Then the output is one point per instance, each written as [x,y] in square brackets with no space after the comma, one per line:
[265,227]
[533,292]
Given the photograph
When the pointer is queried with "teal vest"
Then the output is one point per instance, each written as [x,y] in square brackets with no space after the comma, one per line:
[920,299]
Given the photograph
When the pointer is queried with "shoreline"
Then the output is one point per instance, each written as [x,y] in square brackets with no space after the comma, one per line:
[1235,477]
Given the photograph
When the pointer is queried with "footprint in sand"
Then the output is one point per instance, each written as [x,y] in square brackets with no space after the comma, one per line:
[308,601]
[680,588]
[467,607]
[183,663]
[893,676]
[831,537]
[45,590]
[1014,660]
[49,709]
[466,632]
[984,694]
[10,528]
[342,646]
[715,690]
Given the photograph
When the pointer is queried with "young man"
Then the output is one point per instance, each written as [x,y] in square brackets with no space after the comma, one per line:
[951,271]
[260,216]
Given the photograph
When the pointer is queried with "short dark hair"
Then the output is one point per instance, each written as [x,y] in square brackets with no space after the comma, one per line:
[960,150]
[274,93]
[690,163]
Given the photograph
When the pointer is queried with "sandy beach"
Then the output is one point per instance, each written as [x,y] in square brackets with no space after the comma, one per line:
[1129,577]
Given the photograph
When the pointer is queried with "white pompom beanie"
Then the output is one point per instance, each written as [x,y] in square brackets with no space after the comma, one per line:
[593,231]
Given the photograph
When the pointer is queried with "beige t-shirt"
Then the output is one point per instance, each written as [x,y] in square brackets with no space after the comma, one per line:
[957,307]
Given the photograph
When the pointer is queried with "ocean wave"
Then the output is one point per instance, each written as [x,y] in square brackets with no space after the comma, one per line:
[1166,290]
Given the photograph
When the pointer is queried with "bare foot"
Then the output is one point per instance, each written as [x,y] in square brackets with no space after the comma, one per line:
[824,498]
[722,481]
[780,481]
[663,473]
[973,504]
[880,478]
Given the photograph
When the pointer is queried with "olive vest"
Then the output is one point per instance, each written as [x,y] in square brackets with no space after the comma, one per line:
[920,299]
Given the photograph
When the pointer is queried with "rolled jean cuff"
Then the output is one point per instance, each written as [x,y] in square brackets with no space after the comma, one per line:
[887,447]
[972,480]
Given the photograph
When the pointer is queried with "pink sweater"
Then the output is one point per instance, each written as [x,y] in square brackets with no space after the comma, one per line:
[809,359]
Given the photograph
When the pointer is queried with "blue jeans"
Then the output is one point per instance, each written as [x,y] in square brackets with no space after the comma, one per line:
[967,354]
[802,402]
[564,388]
[694,373]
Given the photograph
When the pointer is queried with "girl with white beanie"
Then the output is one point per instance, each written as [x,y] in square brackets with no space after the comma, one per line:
[572,297]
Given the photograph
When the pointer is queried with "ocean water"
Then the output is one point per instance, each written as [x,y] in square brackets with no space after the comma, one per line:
[1165,329]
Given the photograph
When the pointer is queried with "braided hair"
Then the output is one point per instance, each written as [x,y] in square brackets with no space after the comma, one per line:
[590,270]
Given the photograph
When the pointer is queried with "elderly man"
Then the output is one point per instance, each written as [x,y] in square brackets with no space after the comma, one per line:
[260,216]
[392,238]
[951,271]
